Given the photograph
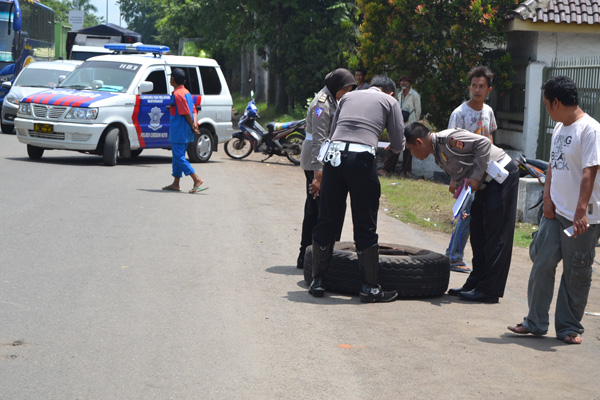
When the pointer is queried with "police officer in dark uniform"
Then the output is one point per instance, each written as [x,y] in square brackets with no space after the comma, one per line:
[350,167]
[471,157]
[318,122]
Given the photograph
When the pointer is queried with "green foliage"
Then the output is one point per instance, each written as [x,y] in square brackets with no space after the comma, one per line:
[304,39]
[61,10]
[437,43]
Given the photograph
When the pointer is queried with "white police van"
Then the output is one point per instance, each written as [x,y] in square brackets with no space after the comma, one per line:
[117,105]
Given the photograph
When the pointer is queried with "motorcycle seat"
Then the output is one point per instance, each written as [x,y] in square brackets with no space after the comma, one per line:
[279,126]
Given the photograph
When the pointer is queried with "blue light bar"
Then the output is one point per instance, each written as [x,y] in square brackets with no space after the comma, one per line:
[140,48]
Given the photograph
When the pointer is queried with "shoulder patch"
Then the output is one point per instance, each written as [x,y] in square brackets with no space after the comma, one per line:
[323,98]
[441,140]
[318,111]
[456,143]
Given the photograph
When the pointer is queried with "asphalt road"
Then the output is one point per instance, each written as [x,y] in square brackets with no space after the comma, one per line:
[111,288]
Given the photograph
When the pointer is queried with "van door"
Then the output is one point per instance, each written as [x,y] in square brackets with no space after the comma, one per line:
[216,101]
[153,116]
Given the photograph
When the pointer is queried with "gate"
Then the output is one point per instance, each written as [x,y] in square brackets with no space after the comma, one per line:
[585,72]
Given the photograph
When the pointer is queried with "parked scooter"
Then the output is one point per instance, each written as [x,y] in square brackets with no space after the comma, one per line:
[536,169]
[281,139]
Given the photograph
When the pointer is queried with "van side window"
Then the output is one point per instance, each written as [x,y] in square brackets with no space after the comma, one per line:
[159,79]
[210,80]
[191,82]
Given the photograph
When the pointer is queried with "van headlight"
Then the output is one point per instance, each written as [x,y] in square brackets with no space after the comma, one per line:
[25,108]
[12,99]
[82,113]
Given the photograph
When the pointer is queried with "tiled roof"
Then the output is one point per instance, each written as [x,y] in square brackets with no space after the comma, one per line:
[559,11]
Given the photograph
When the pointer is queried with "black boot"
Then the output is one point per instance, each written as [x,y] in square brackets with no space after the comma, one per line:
[368,261]
[321,259]
[300,261]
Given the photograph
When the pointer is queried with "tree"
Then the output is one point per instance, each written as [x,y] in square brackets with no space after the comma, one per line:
[436,42]
[62,7]
[142,17]
[301,40]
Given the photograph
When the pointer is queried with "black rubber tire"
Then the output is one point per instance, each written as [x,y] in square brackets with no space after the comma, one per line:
[244,144]
[136,153]
[293,147]
[201,149]
[34,152]
[111,147]
[8,129]
[413,272]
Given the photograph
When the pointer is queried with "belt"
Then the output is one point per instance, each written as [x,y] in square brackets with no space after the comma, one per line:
[308,136]
[355,147]
[503,163]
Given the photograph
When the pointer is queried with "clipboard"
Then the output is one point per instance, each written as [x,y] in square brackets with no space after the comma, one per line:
[461,202]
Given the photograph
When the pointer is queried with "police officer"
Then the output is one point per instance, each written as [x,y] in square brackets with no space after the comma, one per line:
[465,157]
[350,167]
[318,121]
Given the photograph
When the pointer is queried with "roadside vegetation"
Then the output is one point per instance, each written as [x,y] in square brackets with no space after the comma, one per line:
[428,205]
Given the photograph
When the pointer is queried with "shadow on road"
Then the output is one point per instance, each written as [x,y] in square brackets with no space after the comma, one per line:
[285,270]
[329,298]
[545,344]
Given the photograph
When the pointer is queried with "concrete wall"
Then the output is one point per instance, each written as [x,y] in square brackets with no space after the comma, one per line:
[551,45]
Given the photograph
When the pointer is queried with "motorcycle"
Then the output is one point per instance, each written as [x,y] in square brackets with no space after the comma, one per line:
[281,139]
[536,169]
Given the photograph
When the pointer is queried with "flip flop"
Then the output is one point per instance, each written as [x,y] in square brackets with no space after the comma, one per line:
[197,189]
[519,329]
[171,188]
[573,338]
[459,266]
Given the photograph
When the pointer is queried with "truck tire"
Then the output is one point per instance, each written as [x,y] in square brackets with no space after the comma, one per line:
[413,272]
[111,147]
[34,152]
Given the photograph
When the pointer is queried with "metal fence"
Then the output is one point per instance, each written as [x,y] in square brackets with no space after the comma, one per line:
[585,72]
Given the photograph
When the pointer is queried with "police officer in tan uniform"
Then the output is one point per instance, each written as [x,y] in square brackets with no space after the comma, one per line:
[318,122]
[465,157]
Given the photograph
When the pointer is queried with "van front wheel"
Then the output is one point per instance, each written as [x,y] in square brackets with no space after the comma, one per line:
[200,150]
[111,147]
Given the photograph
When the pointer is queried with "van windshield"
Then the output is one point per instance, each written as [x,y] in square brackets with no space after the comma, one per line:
[105,76]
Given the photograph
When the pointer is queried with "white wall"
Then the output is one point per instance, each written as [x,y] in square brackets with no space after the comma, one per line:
[553,45]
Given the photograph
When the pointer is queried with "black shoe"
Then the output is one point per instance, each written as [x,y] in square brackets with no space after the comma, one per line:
[456,291]
[476,295]
[317,288]
[300,261]
[376,295]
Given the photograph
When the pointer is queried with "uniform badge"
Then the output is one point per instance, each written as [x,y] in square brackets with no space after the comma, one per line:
[323,98]
[318,111]
[456,143]
[444,157]
[155,115]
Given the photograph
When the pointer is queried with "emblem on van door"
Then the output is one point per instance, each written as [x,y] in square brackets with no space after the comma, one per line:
[155,115]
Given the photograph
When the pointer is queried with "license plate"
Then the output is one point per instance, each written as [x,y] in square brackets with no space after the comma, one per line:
[43,128]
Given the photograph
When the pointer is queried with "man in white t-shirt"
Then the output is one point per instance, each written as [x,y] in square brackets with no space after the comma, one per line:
[571,199]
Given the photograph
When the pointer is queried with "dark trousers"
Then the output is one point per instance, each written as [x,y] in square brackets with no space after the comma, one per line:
[311,213]
[357,175]
[390,160]
[493,216]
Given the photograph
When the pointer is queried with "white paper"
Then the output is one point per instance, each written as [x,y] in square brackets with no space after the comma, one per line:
[461,202]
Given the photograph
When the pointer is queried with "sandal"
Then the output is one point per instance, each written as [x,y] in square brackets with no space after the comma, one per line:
[171,188]
[459,266]
[518,329]
[573,338]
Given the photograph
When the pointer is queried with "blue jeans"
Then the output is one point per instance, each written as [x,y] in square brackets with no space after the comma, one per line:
[180,163]
[460,234]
